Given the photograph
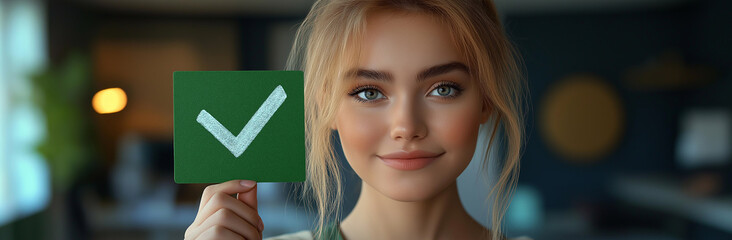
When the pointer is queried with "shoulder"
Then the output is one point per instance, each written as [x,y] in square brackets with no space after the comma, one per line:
[521,238]
[301,235]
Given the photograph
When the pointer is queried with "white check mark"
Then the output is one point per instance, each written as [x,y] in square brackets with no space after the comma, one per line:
[237,145]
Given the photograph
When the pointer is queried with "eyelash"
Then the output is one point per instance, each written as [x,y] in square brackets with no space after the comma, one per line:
[458,90]
[362,88]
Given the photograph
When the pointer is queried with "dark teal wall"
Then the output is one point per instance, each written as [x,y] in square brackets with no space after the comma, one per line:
[607,44]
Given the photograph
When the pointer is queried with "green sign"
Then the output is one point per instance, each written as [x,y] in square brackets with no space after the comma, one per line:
[239,125]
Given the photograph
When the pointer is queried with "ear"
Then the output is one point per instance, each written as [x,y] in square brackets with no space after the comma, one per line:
[485,113]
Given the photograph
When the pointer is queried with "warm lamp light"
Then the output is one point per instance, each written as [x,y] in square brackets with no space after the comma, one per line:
[110,100]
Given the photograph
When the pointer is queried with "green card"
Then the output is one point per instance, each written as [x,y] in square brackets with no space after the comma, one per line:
[239,125]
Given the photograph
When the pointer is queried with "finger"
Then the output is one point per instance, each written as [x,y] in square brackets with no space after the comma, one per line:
[230,220]
[219,232]
[230,187]
[249,197]
[222,200]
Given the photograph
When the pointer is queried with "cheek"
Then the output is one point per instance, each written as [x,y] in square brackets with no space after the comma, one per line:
[457,130]
[360,132]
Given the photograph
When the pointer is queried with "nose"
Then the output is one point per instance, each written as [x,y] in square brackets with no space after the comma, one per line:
[407,121]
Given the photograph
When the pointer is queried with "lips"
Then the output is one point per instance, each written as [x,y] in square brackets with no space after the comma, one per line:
[407,161]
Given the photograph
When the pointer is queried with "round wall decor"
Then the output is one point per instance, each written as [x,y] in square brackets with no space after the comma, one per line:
[582,118]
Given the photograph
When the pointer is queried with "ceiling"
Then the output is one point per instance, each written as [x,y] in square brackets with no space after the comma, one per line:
[300,7]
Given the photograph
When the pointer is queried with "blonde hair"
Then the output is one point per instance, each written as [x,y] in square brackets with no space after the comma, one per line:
[327,45]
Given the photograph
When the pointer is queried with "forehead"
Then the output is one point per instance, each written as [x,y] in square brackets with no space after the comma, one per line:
[404,43]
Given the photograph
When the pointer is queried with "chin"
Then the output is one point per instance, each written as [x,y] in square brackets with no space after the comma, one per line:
[411,186]
[414,187]
[409,195]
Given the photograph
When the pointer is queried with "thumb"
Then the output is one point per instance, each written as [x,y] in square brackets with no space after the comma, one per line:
[249,197]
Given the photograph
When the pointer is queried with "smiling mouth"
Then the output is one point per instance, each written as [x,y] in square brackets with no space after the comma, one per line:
[408,161]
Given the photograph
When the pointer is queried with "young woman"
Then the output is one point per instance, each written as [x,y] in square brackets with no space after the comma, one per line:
[407,85]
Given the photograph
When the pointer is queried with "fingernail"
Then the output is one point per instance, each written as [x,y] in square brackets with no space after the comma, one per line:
[247,183]
[261,224]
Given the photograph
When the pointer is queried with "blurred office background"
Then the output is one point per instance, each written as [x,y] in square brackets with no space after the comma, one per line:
[629,130]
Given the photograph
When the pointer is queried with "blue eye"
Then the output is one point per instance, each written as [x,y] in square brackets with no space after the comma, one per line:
[448,90]
[442,91]
[370,94]
[366,94]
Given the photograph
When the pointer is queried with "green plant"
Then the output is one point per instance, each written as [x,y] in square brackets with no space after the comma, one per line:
[61,92]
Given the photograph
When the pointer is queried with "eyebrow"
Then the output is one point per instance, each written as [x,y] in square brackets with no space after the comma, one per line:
[423,75]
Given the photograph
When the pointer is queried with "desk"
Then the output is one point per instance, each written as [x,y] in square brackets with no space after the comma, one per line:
[160,218]
[665,195]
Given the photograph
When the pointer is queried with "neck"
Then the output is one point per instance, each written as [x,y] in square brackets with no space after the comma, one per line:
[377,216]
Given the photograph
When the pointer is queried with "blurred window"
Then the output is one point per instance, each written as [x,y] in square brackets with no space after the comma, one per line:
[24,176]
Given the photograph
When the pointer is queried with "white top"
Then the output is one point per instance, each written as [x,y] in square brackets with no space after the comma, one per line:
[301,235]
[308,235]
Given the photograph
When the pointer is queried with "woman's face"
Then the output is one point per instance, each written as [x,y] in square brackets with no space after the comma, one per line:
[409,120]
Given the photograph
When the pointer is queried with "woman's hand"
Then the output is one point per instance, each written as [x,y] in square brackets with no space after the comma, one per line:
[222,216]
